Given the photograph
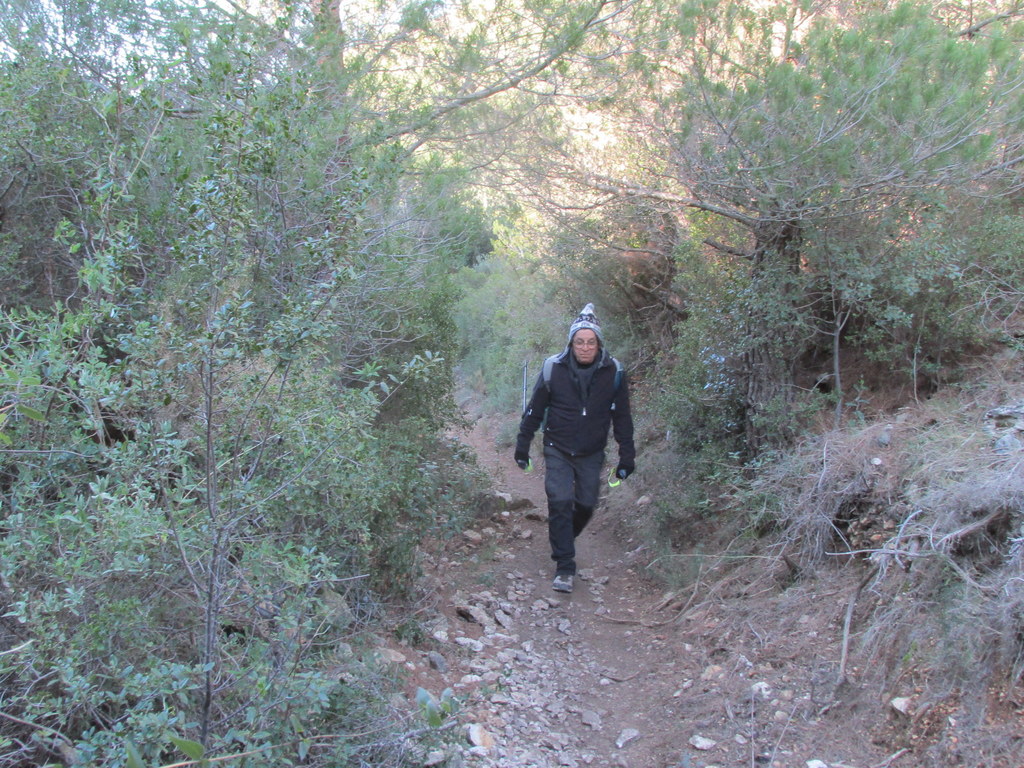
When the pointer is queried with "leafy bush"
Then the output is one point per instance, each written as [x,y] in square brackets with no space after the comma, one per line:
[134,582]
[221,452]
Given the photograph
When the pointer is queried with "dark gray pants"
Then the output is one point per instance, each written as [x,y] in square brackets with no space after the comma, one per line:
[572,484]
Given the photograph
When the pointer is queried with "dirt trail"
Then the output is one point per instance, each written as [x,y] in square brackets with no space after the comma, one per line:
[610,667]
[619,674]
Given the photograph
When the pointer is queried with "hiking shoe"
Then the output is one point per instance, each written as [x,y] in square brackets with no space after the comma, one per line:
[562,582]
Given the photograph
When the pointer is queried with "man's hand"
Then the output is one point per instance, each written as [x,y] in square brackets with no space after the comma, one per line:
[523,460]
[622,471]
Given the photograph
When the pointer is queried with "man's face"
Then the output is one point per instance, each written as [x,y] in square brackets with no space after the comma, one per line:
[584,346]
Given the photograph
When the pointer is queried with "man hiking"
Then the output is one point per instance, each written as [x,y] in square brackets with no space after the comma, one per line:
[578,395]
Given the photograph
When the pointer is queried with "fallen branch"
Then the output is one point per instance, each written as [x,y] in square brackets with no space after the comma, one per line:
[689,608]
[620,679]
[637,622]
[953,537]
[665,601]
[849,620]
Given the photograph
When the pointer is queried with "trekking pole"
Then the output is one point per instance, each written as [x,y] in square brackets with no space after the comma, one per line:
[529,464]
[525,366]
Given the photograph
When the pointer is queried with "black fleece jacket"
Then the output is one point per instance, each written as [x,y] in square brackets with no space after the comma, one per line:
[574,425]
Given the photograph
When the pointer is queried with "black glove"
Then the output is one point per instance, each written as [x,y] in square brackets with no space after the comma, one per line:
[622,471]
[523,460]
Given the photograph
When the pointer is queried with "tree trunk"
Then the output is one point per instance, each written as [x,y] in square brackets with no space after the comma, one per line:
[768,397]
[769,363]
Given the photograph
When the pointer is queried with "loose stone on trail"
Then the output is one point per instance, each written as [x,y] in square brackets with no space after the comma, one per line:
[627,735]
[702,742]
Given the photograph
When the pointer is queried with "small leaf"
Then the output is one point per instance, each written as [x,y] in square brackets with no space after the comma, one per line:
[134,759]
[429,707]
[191,748]
[449,704]
[434,716]
[31,413]
[423,697]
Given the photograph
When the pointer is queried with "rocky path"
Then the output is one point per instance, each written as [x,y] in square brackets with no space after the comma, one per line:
[555,679]
[617,673]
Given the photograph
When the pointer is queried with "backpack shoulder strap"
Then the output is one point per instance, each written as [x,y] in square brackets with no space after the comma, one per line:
[549,363]
[618,377]
[618,373]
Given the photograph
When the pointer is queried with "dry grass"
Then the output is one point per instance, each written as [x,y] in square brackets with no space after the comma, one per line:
[833,481]
[926,499]
[936,513]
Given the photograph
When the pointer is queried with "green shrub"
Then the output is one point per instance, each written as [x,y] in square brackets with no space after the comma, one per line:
[506,320]
[180,565]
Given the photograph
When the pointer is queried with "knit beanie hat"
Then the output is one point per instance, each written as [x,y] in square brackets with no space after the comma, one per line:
[588,320]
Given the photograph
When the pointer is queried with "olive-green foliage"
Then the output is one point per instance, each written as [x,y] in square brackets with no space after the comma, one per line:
[992,274]
[45,115]
[823,142]
[113,524]
[220,439]
[919,304]
[507,319]
[933,287]
[518,303]
[702,398]
[619,258]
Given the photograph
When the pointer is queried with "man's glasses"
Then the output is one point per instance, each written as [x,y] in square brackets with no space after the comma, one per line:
[580,343]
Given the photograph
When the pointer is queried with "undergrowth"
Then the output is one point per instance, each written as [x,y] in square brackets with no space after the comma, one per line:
[930,504]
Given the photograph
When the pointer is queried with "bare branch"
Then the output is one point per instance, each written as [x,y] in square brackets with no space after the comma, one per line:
[974,29]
